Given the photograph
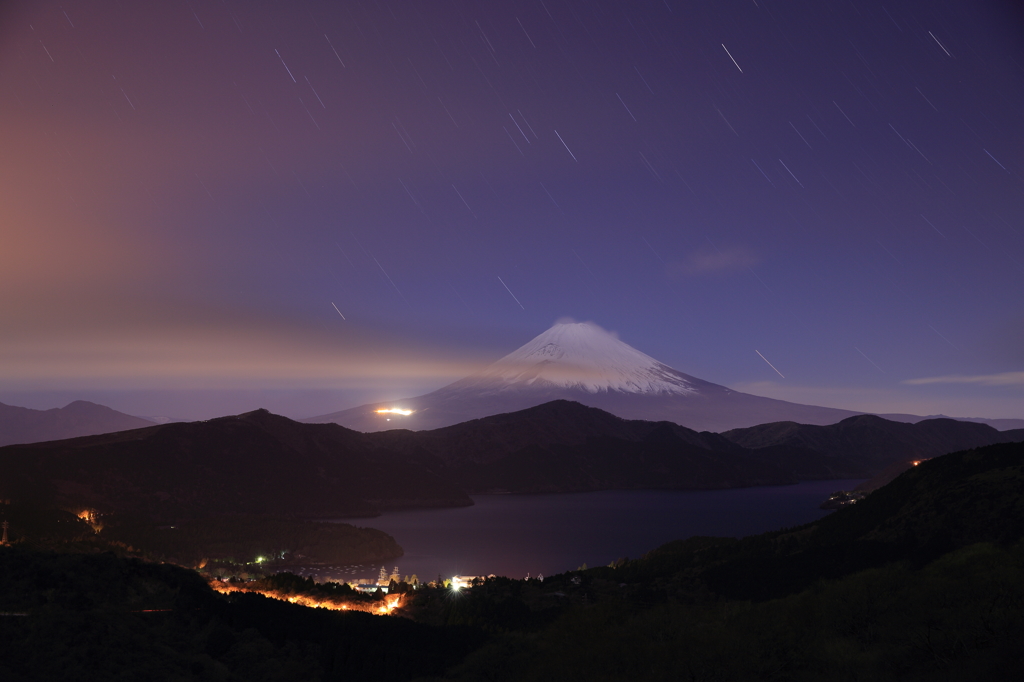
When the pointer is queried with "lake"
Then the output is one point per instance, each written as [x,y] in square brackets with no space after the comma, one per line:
[516,535]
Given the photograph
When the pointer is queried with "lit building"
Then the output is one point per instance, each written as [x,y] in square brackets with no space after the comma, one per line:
[462,581]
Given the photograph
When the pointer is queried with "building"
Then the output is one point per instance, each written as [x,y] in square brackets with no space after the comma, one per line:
[462,581]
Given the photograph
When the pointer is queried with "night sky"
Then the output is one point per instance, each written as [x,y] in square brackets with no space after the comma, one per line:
[208,207]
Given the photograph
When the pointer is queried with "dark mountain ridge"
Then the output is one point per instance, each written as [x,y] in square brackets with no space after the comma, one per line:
[79,418]
[563,446]
[260,463]
[254,463]
[605,451]
[556,423]
[872,441]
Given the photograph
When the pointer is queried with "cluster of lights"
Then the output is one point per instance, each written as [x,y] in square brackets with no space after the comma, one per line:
[395,410]
[384,609]
[458,582]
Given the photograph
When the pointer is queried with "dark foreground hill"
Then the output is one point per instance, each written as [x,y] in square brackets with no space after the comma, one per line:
[80,418]
[922,580]
[942,505]
[229,544]
[101,617]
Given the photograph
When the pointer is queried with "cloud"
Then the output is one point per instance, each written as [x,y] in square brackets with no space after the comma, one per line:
[712,261]
[1002,379]
[572,320]
[887,400]
[231,350]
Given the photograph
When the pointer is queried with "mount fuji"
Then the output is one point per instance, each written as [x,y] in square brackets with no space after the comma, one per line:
[579,361]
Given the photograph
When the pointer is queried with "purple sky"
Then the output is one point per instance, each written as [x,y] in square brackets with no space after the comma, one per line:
[195,192]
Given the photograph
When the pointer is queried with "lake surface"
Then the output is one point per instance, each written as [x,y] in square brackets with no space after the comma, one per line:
[516,535]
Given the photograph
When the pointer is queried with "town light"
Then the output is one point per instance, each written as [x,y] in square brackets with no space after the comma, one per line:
[392,603]
[395,410]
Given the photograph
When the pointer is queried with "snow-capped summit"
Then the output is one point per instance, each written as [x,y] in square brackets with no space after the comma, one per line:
[581,355]
[580,361]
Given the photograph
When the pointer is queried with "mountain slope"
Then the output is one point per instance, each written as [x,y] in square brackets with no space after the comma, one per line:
[583,363]
[582,356]
[945,503]
[255,463]
[80,418]
[557,423]
[564,446]
[260,463]
[869,439]
[920,581]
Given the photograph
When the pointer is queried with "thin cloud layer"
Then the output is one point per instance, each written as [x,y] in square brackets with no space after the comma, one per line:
[237,352]
[899,399]
[713,261]
[1001,379]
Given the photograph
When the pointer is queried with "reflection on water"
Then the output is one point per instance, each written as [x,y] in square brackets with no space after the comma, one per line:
[515,535]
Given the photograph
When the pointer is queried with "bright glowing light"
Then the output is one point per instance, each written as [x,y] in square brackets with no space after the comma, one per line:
[459,582]
[395,410]
[393,601]
[390,605]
